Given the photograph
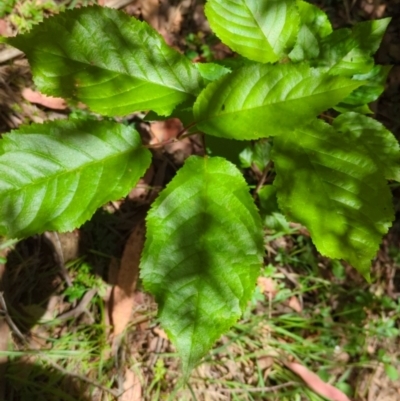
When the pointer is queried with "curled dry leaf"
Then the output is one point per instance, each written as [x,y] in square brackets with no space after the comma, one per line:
[316,384]
[122,296]
[55,103]
[294,303]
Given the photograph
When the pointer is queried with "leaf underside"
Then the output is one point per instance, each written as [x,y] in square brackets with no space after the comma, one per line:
[202,254]
[333,187]
[262,31]
[54,176]
[266,100]
[113,63]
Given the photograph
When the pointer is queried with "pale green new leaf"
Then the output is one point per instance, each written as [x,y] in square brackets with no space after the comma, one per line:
[202,255]
[267,100]
[113,63]
[381,144]
[331,185]
[348,52]
[54,176]
[261,30]
[314,25]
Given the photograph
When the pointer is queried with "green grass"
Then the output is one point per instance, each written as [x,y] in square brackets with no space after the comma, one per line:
[330,336]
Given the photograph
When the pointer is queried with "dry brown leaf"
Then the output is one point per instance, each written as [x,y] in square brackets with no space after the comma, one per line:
[139,193]
[164,130]
[265,362]
[150,13]
[294,303]
[132,387]
[160,333]
[5,28]
[267,285]
[122,296]
[55,103]
[316,384]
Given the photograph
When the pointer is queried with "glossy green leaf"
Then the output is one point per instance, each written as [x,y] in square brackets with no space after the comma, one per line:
[211,71]
[266,100]
[348,52]
[381,144]
[314,25]
[202,255]
[54,176]
[113,63]
[331,185]
[261,30]
[374,85]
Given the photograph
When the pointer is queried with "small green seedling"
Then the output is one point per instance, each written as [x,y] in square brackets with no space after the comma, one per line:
[204,246]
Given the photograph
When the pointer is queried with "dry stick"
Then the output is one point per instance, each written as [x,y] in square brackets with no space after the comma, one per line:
[261,182]
[80,308]
[185,129]
[54,240]
[259,389]
[10,322]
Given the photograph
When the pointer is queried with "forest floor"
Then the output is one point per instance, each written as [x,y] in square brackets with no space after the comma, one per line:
[63,335]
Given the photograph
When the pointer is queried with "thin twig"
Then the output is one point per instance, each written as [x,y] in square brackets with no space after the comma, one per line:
[80,308]
[160,144]
[10,322]
[259,389]
[261,181]
[54,241]
[185,129]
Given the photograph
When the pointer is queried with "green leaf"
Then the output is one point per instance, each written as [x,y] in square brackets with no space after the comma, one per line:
[348,52]
[266,100]
[391,372]
[258,154]
[211,71]
[381,144]
[262,31]
[113,63]
[202,255]
[229,149]
[374,86]
[54,176]
[314,25]
[330,184]
[270,212]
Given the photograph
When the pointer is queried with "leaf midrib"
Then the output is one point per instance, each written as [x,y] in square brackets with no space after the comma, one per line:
[272,104]
[108,70]
[66,172]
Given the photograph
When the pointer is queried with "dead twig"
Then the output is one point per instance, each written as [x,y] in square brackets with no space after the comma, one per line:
[261,181]
[80,308]
[10,322]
